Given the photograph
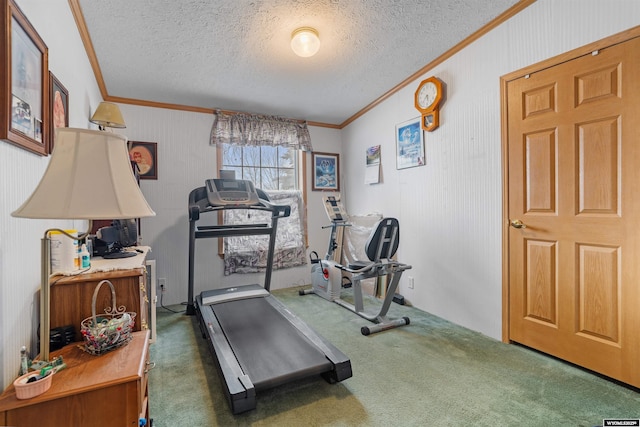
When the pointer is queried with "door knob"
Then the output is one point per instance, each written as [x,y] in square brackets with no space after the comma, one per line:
[516,223]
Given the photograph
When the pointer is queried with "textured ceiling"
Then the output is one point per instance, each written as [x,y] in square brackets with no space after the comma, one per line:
[235,54]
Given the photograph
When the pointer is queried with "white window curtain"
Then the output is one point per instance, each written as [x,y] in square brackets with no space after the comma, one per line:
[254,129]
[248,254]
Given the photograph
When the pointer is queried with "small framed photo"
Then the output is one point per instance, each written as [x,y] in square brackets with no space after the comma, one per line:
[145,155]
[21,119]
[409,144]
[326,171]
[59,108]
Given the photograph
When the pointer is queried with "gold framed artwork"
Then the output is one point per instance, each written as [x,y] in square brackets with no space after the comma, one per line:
[24,103]
[59,108]
[145,155]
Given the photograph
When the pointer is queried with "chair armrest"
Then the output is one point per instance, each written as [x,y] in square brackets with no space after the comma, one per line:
[362,269]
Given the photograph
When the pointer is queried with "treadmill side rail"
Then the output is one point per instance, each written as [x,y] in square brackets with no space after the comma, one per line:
[240,392]
[341,363]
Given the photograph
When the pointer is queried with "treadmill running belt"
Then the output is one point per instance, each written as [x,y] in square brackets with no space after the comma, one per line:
[270,350]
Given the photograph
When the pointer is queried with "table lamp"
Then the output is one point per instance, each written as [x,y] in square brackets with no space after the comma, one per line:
[108,115]
[88,177]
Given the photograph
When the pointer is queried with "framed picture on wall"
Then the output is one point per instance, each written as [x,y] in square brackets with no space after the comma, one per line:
[326,171]
[59,108]
[24,106]
[409,144]
[145,155]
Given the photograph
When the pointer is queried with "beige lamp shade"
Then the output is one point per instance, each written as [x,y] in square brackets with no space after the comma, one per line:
[88,177]
[305,42]
[108,115]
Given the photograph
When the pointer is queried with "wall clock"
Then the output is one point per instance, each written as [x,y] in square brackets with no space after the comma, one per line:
[427,101]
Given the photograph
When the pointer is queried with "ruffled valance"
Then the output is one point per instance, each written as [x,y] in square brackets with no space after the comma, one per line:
[255,129]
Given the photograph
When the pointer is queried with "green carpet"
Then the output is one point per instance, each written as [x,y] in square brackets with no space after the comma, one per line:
[430,373]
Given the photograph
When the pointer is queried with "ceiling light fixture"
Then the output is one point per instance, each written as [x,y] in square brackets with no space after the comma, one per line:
[305,42]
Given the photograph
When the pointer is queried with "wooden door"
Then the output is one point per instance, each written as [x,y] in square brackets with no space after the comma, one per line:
[573,201]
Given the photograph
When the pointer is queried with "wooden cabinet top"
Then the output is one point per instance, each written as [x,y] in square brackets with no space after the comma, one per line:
[85,372]
[108,268]
[95,277]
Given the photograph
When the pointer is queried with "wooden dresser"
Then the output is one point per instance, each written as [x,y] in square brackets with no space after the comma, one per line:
[106,390]
[71,296]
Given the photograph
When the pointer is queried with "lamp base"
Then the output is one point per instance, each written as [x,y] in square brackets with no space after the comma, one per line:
[121,254]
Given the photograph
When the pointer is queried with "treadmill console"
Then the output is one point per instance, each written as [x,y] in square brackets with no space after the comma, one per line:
[226,192]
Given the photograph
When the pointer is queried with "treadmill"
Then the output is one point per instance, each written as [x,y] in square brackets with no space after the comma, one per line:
[256,341]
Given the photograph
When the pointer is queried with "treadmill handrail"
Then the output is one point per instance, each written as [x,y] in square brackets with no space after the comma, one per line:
[199,203]
[230,231]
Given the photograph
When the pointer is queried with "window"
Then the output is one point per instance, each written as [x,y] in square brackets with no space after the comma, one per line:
[268,167]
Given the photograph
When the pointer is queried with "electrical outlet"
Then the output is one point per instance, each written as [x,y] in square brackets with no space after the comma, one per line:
[410,282]
[162,283]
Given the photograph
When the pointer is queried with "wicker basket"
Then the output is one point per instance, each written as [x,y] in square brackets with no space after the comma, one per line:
[26,390]
[109,330]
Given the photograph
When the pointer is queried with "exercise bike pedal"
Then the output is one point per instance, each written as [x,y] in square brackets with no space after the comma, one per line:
[346,282]
[398,299]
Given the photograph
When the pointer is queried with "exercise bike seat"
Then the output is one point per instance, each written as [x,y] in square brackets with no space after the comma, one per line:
[383,242]
[380,247]
[357,265]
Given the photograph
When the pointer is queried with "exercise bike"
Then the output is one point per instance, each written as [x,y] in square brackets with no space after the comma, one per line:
[327,278]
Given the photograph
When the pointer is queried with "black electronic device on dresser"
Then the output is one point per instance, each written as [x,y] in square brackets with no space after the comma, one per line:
[111,244]
[111,241]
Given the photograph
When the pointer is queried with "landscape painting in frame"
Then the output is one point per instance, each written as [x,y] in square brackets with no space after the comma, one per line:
[409,144]
[326,171]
